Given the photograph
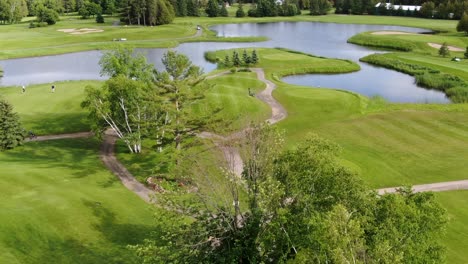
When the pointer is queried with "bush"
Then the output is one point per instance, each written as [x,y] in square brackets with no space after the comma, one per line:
[47,15]
[240,11]
[99,18]
[458,94]
[37,24]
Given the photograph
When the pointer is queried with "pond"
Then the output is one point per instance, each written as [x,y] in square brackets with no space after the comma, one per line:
[322,39]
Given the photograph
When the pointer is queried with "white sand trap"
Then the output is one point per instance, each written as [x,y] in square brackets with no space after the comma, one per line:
[74,31]
[451,48]
[391,33]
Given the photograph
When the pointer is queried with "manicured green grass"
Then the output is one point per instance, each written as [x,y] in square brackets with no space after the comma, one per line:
[59,204]
[237,109]
[390,146]
[45,112]
[457,231]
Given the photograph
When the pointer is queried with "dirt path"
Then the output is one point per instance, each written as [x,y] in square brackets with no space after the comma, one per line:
[108,158]
[434,187]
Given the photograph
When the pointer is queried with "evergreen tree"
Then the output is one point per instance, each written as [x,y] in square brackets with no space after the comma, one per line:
[212,10]
[164,12]
[463,24]
[11,132]
[254,58]
[444,51]
[227,61]
[235,59]
[223,12]
[192,8]
[99,18]
[246,58]
[181,8]
[240,11]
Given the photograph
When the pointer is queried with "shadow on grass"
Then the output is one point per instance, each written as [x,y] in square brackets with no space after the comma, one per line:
[78,156]
[32,245]
[115,232]
[46,123]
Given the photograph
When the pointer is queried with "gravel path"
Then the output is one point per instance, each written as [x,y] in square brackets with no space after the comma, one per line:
[434,187]
[108,158]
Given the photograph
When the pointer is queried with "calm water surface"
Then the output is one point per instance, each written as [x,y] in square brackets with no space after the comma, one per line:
[322,39]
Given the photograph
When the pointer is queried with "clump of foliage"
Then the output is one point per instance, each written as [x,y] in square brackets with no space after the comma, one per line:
[462,25]
[303,206]
[240,11]
[148,13]
[38,24]
[425,76]
[319,7]
[12,133]
[12,11]
[47,15]
[223,11]
[212,10]
[269,8]
[99,18]
[466,53]
[444,50]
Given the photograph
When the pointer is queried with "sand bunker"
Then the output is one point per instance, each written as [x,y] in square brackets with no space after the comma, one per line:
[451,48]
[391,33]
[80,31]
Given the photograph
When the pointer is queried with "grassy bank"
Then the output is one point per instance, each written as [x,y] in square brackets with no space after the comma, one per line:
[63,206]
[45,112]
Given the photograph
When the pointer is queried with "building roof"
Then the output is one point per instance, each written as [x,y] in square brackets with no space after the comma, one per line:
[404,7]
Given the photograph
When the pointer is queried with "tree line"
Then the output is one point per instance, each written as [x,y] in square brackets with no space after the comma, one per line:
[440,9]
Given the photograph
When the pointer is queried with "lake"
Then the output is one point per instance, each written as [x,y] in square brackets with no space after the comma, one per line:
[321,39]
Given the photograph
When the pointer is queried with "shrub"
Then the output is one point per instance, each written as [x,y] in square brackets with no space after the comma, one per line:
[99,18]
[37,24]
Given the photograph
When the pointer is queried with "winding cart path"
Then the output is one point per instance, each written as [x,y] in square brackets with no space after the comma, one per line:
[231,154]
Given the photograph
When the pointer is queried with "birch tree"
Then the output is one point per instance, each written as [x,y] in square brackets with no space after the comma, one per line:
[119,105]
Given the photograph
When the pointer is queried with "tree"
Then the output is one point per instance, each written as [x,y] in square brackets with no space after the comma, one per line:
[212,10]
[466,53]
[223,12]
[444,50]
[463,24]
[235,59]
[246,58]
[319,7]
[121,61]
[11,132]
[99,18]
[240,11]
[176,86]
[192,8]
[12,11]
[303,206]
[47,15]
[69,5]
[427,9]
[254,58]
[119,105]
